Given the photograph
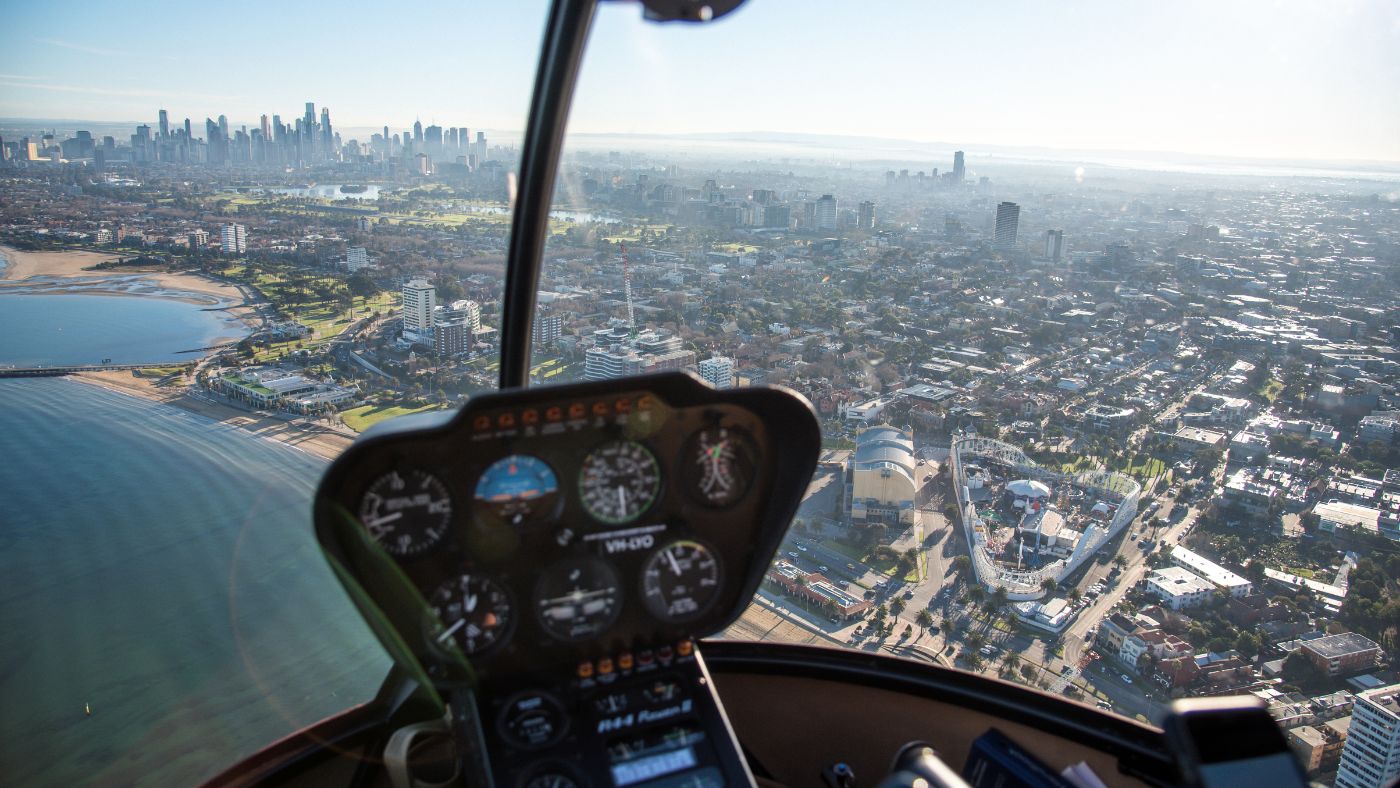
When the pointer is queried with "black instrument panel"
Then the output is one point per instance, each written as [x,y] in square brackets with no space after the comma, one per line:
[548,528]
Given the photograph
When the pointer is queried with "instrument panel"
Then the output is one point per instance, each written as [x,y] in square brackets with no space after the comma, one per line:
[554,527]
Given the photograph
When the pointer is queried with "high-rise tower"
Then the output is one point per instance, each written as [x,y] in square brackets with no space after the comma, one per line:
[1008,217]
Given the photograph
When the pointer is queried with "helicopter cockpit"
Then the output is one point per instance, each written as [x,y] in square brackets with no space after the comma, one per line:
[547,568]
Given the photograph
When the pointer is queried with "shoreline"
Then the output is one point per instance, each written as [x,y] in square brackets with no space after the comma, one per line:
[69,272]
[297,434]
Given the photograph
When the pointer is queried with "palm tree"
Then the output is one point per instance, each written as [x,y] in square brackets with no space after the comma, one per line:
[976,593]
[1012,660]
[924,620]
[896,606]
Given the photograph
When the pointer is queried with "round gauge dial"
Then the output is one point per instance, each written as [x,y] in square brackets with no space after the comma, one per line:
[680,581]
[618,481]
[474,611]
[578,598]
[407,512]
[533,719]
[518,488]
[717,465]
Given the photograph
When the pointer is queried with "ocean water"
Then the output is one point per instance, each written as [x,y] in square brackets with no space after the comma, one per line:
[160,568]
[57,330]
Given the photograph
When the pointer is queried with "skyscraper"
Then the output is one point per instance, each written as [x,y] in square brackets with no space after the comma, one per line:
[164,125]
[824,215]
[959,167]
[418,132]
[1008,216]
[865,216]
[419,300]
[1054,244]
[1371,756]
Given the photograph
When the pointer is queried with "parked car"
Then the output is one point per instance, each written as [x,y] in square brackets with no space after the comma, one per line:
[1126,678]
[792,554]
[823,569]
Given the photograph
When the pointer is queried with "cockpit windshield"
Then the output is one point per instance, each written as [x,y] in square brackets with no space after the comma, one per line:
[1096,310]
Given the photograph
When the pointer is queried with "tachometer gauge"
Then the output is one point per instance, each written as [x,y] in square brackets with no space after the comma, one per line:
[618,481]
[578,598]
[717,465]
[518,488]
[407,512]
[474,611]
[680,581]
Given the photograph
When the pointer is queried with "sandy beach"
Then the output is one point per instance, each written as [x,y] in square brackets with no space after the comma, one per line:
[61,272]
[305,434]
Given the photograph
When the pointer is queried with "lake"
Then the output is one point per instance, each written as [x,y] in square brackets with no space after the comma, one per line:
[331,191]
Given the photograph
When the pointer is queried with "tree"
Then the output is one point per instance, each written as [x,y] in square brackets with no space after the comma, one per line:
[924,620]
[896,606]
[1298,669]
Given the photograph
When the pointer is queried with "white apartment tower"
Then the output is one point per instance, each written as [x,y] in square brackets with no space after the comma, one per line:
[1371,757]
[419,299]
[718,372]
[356,258]
[234,239]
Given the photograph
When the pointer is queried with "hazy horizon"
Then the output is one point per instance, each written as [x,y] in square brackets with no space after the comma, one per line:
[1254,80]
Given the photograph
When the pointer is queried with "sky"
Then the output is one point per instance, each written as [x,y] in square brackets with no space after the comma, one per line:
[1303,79]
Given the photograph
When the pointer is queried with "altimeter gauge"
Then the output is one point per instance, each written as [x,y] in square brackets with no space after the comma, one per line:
[717,465]
[680,581]
[473,611]
[407,512]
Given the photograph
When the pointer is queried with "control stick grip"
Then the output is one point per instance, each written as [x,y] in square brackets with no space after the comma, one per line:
[917,764]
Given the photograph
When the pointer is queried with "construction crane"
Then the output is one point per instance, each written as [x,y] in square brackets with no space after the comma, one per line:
[627,292]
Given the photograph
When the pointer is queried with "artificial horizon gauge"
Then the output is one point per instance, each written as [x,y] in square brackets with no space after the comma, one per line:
[680,581]
[518,488]
[618,481]
[406,512]
[578,598]
[473,611]
[717,465]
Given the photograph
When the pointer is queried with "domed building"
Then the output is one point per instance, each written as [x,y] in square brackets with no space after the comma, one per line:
[881,477]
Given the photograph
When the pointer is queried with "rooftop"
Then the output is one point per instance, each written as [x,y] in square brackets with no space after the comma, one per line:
[1340,645]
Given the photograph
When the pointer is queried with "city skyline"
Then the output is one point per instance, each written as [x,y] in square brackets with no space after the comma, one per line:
[1305,92]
